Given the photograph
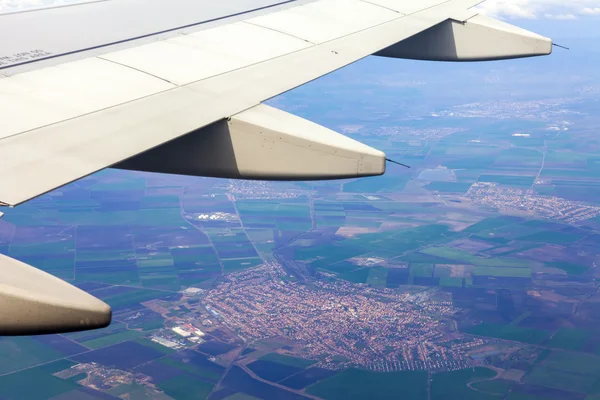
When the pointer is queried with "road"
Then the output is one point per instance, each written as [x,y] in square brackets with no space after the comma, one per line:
[287,389]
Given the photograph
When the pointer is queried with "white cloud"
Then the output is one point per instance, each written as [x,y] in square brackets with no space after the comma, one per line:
[591,11]
[17,5]
[564,17]
[538,9]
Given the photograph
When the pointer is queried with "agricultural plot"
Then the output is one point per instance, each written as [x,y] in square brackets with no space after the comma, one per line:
[552,237]
[18,386]
[492,223]
[560,379]
[509,180]
[307,377]
[390,182]
[125,298]
[240,263]
[237,380]
[453,384]
[356,276]
[273,371]
[377,277]
[569,339]
[283,215]
[449,187]
[186,363]
[126,355]
[569,268]
[288,360]
[499,387]
[464,257]
[361,384]
[22,352]
[186,387]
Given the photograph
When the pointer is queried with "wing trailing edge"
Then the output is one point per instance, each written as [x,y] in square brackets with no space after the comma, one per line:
[33,302]
[262,143]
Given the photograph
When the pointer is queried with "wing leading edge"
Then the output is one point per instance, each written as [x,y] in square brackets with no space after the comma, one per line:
[191,104]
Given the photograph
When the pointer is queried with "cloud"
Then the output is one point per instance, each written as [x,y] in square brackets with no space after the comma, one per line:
[564,17]
[591,11]
[18,5]
[540,9]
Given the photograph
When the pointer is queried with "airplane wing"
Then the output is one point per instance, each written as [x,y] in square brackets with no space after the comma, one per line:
[178,86]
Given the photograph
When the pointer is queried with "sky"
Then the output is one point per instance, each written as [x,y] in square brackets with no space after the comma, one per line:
[543,9]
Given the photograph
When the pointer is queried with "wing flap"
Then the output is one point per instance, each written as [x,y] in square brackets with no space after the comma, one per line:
[468,37]
[262,143]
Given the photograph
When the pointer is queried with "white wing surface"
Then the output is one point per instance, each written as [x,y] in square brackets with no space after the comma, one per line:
[177,87]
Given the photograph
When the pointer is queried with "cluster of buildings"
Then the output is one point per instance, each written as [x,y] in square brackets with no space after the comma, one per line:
[217,216]
[505,198]
[421,133]
[509,109]
[338,323]
[251,190]
[102,378]
[179,336]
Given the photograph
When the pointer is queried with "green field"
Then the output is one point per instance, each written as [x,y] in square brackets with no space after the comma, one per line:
[575,372]
[209,371]
[185,387]
[491,223]
[494,386]
[377,277]
[464,257]
[552,237]
[574,362]
[22,352]
[564,380]
[570,339]
[569,268]
[509,332]
[449,187]
[523,396]
[288,360]
[154,345]
[115,338]
[131,297]
[451,282]
[238,264]
[421,269]
[135,391]
[356,276]
[360,384]
[453,384]
[37,383]
[511,180]
[502,271]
